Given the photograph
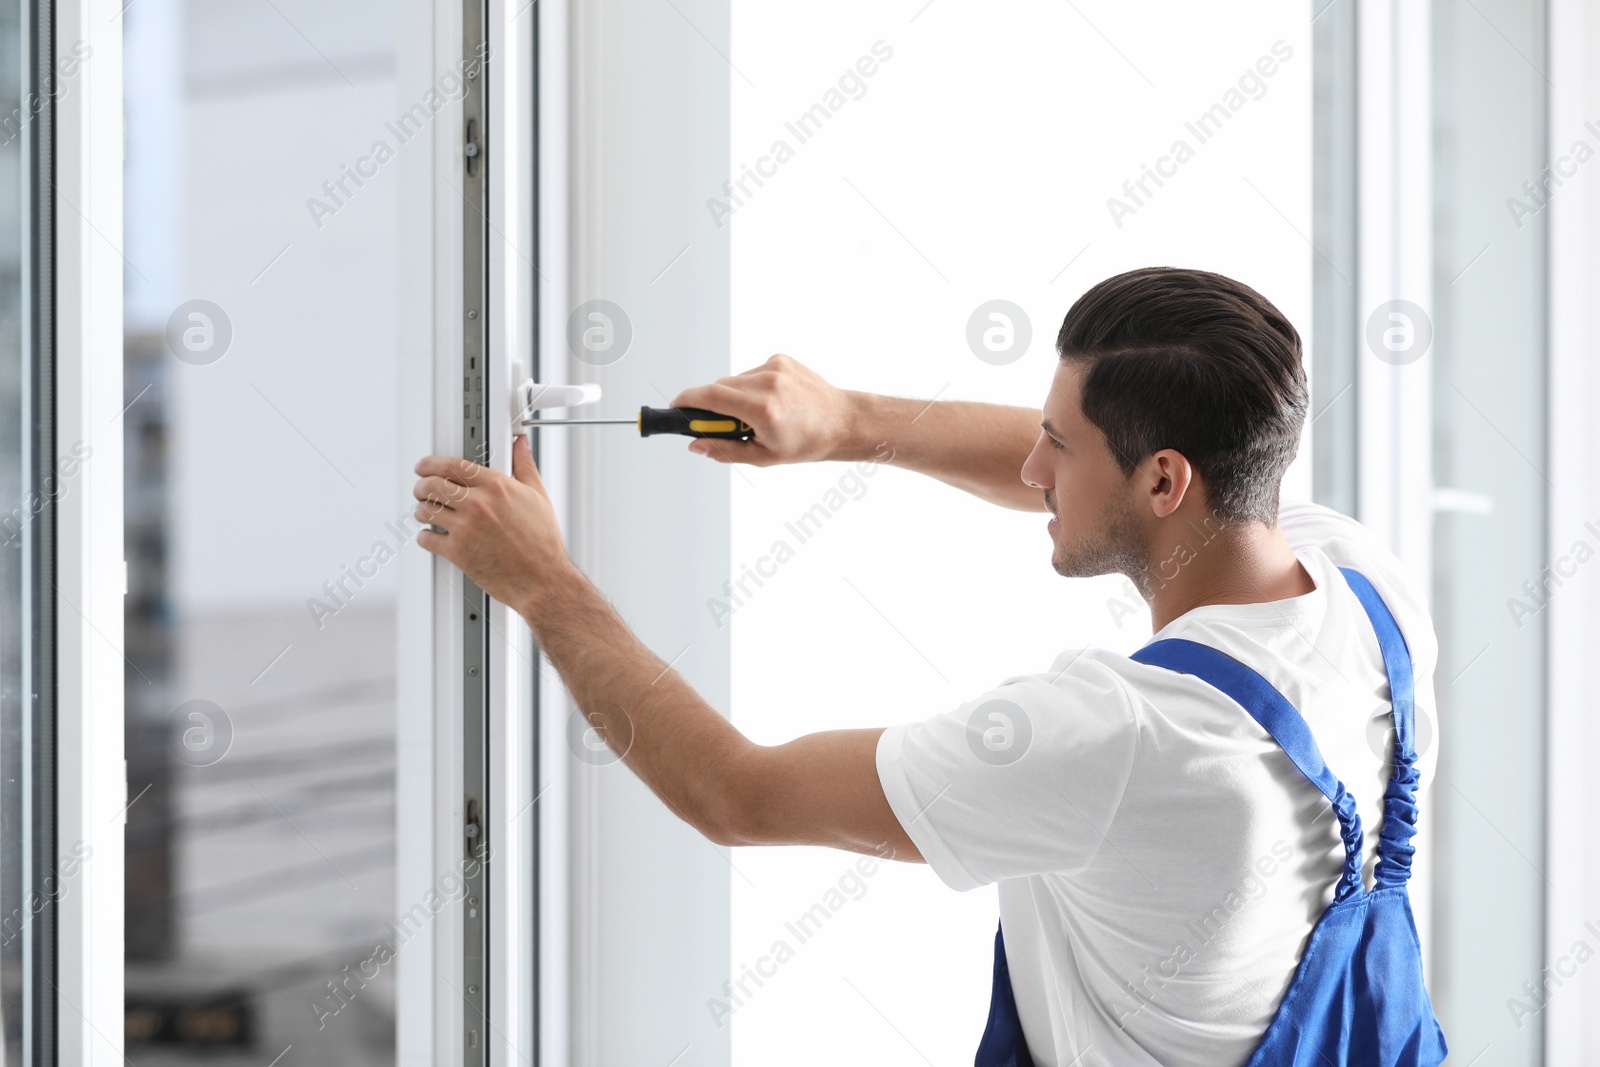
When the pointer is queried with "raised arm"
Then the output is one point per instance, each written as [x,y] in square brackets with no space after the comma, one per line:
[799,417]
[821,789]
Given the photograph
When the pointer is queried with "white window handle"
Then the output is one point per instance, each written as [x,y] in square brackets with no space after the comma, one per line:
[530,395]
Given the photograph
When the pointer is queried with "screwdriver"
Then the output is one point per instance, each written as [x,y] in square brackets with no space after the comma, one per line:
[688,422]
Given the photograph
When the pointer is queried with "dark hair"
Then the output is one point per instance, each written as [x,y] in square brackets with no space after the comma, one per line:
[1193,361]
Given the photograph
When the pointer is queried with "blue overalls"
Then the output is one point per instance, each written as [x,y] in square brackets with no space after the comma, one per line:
[1357,996]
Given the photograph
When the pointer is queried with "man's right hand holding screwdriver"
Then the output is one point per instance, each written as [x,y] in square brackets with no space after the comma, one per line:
[800,417]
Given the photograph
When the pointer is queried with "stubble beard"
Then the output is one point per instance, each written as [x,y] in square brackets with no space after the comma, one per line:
[1117,546]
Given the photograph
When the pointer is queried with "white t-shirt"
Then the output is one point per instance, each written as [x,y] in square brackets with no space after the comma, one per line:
[1160,861]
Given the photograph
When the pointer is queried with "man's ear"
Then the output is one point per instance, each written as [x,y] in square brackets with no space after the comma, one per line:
[1170,474]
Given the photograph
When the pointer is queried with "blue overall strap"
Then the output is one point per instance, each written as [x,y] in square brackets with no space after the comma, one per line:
[1003,1044]
[1400,799]
[1279,718]
[1357,995]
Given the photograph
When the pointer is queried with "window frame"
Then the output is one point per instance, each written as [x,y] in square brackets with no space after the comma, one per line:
[84,272]
[434,1017]
[1570,1030]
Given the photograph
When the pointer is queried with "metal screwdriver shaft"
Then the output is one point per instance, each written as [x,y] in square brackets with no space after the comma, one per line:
[579,422]
[685,422]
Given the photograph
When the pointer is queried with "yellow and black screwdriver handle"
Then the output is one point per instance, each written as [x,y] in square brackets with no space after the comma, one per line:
[693,422]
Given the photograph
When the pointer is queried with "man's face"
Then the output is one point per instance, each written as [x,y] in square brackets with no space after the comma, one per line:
[1097,526]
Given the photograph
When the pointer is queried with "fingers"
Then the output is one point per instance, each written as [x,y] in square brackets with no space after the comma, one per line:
[439,497]
[437,543]
[725,451]
[736,393]
[741,402]
[523,468]
[745,380]
[434,515]
[460,471]
[695,397]
[439,490]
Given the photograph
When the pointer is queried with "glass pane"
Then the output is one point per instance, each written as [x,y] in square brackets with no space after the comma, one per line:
[263,481]
[25,515]
[910,193]
[1492,571]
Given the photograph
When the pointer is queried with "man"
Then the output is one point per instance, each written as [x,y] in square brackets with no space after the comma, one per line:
[1162,856]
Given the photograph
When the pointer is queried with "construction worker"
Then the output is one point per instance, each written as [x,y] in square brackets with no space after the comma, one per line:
[1171,888]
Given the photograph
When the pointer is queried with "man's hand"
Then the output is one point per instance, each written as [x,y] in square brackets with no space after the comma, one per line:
[822,789]
[501,530]
[797,415]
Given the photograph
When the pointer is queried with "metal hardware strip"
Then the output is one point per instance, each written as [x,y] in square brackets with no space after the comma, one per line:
[475,636]
[41,1044]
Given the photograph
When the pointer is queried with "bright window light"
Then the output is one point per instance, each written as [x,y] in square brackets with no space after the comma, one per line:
[914,167]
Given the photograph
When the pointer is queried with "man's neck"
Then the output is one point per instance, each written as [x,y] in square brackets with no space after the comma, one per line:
[1200,563]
